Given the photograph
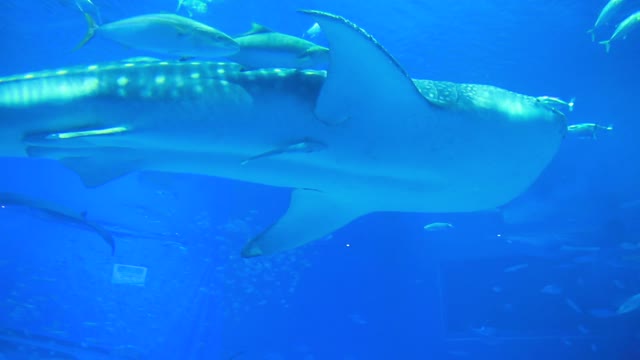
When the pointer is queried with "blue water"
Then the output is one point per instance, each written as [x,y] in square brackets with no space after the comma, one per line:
[499,285]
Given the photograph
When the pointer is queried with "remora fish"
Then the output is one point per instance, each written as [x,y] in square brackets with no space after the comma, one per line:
[623,29]
[263,48]
[587,130]
[550,101]
[167,34]
[304,146]
[431,147]
[58,212]
[606,14]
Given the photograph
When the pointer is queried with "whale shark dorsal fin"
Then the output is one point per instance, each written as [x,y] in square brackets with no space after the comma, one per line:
[311,215]
[363,79]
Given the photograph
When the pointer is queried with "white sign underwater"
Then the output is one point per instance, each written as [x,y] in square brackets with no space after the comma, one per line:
[128,274]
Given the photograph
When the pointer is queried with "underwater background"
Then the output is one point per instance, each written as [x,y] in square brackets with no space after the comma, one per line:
[542,276]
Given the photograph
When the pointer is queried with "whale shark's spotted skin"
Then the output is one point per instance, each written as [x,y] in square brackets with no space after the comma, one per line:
[184,80]
[148,80]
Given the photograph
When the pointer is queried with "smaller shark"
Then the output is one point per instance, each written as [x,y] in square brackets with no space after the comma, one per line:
[58,212]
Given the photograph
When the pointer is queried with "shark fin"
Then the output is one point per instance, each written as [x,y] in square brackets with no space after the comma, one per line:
[94,166]
[350,92]
[256,29]
[311,215]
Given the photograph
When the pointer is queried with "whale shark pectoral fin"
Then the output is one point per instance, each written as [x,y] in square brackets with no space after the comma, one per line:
[311,215]
[364,82]
[97,171]
[95,166]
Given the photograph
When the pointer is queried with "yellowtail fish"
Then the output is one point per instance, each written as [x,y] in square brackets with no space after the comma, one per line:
[623,29]
[57,212]
[263,48]
[606,14]
[587,130]
[167,34]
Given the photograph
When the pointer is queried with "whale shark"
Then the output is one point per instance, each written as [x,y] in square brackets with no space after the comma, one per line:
[358,138]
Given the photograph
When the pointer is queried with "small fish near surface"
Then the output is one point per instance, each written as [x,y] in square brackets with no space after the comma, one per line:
[166,34]
[551,289]
[58,212]
[261,47]
[570,303]
[587,130]
[623,29]
[438,226]
[629,305]
[515,268]
[606,14]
